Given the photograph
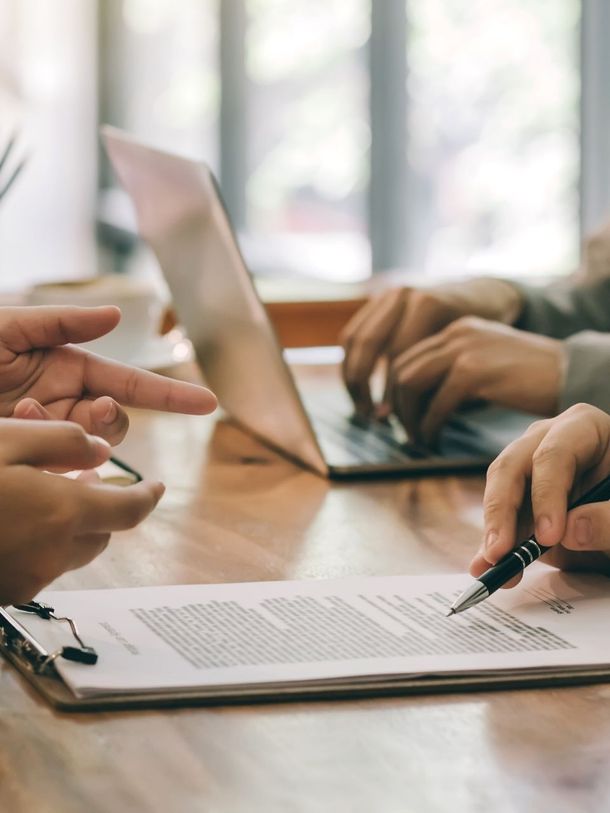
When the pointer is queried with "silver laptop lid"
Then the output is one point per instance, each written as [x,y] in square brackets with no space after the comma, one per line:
[181,216]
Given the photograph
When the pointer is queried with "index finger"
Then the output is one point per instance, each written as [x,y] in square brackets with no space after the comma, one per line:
[49,326]
[507,478]
[364,340]
[140,388]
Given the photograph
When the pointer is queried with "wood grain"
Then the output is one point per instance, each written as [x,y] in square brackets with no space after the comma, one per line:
[235,511]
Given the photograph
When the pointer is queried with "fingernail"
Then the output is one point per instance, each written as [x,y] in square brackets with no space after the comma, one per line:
[543,524]
[111,413]
[583,531]
[490,541]
[34,411]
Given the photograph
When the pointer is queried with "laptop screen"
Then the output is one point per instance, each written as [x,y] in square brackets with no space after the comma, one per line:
[182,217]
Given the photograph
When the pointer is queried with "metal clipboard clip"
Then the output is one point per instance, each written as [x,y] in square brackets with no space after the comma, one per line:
[21,643]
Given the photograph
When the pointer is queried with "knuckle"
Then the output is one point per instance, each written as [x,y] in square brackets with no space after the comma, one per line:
[423,299]
[62,519]
[132,385]
[464,325]
[590,416]
[499,466]
[546,454]
[581,410]
[542,489]
[404,375]
[453,330]
[497,503]
[395,296]
[410,378]
[93,547]
[539,427]
[466,365]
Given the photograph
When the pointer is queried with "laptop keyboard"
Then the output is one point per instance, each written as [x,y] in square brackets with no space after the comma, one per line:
[354,440]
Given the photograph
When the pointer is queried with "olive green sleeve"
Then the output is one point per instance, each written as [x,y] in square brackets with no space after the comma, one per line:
[587,370]
[561,311]
[580,315]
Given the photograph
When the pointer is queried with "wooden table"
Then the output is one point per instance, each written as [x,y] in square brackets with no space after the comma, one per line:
[235,511]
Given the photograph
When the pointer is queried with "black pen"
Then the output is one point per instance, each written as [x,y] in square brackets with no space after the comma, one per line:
[122,465]
[517,560]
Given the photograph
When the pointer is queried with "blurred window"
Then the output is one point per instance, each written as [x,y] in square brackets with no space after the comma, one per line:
[490,92]
[159,69]
[348,135]
[494,134]
[308,135]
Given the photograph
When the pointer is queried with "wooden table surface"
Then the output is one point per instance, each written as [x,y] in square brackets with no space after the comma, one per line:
[235,511]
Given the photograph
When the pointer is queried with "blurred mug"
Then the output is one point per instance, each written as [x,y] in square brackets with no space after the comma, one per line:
[139,300]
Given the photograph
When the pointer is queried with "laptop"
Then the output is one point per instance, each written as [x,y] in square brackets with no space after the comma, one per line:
[182,217]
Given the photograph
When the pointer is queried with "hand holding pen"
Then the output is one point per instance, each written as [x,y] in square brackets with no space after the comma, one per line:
[571,451]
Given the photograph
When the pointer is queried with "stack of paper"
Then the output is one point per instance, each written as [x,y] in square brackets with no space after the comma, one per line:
[322,633]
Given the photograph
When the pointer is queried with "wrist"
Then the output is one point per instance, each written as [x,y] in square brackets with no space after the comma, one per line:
[487,297]
[501,300]
[557,364]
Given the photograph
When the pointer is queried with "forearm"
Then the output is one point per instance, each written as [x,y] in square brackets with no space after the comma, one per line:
[490,298]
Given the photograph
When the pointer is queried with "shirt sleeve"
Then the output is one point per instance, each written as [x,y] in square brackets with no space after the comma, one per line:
[587,372]
[578,304]
[577,311]
[563,311]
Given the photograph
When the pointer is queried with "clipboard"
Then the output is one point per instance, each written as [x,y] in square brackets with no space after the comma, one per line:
[37,667]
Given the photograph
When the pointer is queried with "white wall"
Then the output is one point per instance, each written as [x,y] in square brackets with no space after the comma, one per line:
[48,57]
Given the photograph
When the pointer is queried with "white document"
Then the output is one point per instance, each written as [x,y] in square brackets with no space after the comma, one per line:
[285,632]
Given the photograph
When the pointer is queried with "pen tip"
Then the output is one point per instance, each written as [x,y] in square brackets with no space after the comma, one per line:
[451,612]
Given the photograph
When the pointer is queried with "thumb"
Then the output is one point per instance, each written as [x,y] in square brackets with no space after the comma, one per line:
[50,444]
[588,528]
[24,329]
